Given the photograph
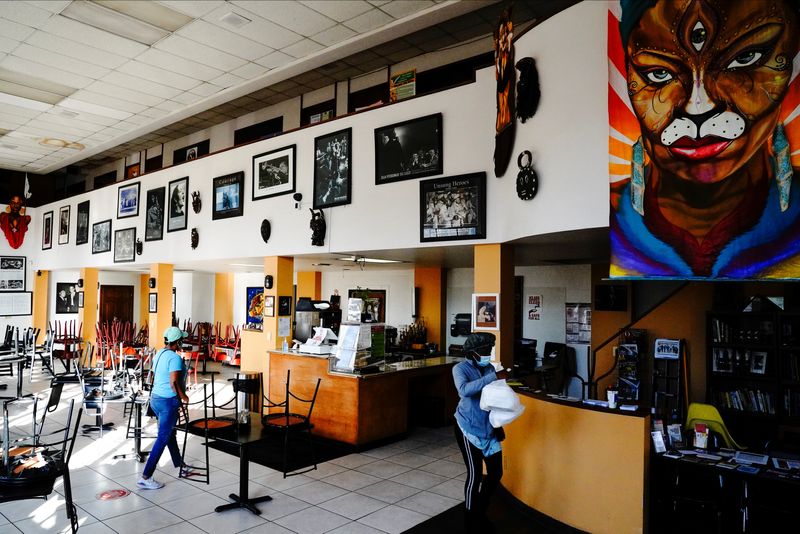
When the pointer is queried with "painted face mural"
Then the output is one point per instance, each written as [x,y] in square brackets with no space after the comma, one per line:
[703,140]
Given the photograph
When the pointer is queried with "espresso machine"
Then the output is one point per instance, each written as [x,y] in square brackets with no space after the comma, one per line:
[310,313]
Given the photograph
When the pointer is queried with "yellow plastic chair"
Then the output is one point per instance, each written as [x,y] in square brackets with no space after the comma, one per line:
[706,413]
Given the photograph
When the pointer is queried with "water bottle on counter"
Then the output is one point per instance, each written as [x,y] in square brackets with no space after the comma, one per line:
[285,346]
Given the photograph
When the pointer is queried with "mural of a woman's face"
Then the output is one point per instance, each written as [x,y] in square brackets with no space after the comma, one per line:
[706,79]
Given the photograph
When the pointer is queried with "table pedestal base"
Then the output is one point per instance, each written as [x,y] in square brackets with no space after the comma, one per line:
[246,503]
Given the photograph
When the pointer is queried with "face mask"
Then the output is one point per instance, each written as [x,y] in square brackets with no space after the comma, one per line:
[484,361]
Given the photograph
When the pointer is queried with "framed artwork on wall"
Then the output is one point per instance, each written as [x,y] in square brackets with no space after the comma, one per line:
[485,311]
[374,307]
[63,225]
[101,237]
[66,297]
[128,200]
[269,306]
[80,299]
[154,216]
[284,306]
[228,196]
[332,169]
[125,245]
[82,223]
[132,171]
[12,273]
[410,149]
[274,172]
[176,215]
[47,230]
[255,306]
[152,306]
[453,208]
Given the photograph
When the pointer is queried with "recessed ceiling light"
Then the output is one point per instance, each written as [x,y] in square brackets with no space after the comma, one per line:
[364,259]
[22,102]
[95,109]
[234,20]
[67,113]
[114,22]
[153,13]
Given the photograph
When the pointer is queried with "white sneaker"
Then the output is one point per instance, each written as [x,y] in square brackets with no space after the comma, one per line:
[149,483]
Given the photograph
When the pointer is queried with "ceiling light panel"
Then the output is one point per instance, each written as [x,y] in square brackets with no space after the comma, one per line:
[190,49]
[187,67]
[83,33]
[153,13]
[13,30]
[24,13]
[34,82]
[79,105]
[29,93]
[161,76]
[289,14]
[60,61]
[114,22]
[21,102]
[341,10]
[225,40]
[259,29]
[46,72]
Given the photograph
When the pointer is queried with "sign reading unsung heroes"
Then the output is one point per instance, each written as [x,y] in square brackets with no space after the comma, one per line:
[704,139]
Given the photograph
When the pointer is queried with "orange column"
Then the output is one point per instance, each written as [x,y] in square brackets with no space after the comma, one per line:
[309,284]
[88,315]
[494,273]
[223,298]
[144,300]
[40,301]
[431,303]
[282,271]
[162,318]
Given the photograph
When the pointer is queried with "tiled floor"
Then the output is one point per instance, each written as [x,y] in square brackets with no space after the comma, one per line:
[384,490]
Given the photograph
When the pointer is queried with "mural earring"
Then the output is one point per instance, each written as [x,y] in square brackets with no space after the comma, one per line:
[637,178]
[782,165]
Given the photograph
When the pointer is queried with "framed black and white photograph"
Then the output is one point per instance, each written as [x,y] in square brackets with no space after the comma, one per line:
[82,223]
[154,218]
[410,149]
[332,169]
[66,297]
[758,362]
[63,225]
[153,303]
[12,273]
[273,172]
[228,196]
[176,214]
[191,153]
[47,230]
[453,208]
[125,245]
[80,299]
[101,237]
[128,200]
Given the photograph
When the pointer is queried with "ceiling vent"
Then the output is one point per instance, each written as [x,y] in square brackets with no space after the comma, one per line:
[234,19]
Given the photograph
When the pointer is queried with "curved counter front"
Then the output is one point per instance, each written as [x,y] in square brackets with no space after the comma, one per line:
[585,467]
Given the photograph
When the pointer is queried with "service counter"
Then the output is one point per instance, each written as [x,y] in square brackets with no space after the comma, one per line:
[362,409]
[583,466]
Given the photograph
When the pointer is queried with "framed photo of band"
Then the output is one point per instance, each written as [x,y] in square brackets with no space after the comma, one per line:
[453,208]
[410,149]
[332,169]
[274,172]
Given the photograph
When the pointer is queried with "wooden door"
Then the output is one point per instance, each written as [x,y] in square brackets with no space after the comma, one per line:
[116,302]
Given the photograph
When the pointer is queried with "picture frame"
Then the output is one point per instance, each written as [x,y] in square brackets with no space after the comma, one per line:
[254,312]
[174,300]
[63,225]
[409,149]
[274,173]
[128,200]
[132,171]
[67,297]
[80,299]
[125,245]
[16,303]
[485,311]
[82,223]
[154,214]
[333,169]
[453,208]
[667,349]
[374,304]
[101,237]
[177,213]
[47,230]
[758,362]
[269,306]
[228,199]
[152,303]
[13,273]
[284,306]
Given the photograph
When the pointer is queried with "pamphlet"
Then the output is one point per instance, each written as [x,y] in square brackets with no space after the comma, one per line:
[658,441]
[700,435]
[675,435]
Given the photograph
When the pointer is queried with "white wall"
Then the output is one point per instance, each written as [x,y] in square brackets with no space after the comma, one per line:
[568,138]
[184,296]
[202,298]
[29,248]
[399,286]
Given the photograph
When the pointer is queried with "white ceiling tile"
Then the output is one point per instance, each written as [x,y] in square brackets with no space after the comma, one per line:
[152,113]
[250,71]
[87,53]
[169,106]
[45,71]
[24,13]
[8,45]
[187,98]
[303,48]
[205,89]
[14,30]
[36,150]
[38,131]
[138,119]
[289,14]
[275,60]
[370,20]
[25,113]
[187,67]
[155,74]
[222,39]
[124,93]
[57,130]
[180,46]
[407,7]
[46,57]
[227,80]
[340,10]
[258,29]
[140,84]
[194,8]
[91,118]
[83,33]
[57,118]
[107,101]
[54,6]
[334,35]
[378,2]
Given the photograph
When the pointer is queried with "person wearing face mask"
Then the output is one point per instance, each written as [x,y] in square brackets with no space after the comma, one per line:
[478,441]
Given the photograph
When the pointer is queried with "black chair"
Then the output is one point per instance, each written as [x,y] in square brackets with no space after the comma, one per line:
[289,422]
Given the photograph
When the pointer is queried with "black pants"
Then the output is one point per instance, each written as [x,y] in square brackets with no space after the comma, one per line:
[478,489]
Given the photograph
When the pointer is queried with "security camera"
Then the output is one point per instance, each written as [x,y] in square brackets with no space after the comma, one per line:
[297,198]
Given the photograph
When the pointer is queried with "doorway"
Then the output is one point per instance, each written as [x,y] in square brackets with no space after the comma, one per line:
[116,302]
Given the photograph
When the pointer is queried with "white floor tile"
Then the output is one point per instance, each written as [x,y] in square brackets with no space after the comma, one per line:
[325,470]
[453,488]
[351,480]
[445,468]
[268,528]
[393,519]
[107,509]
[411,459]
[254,489]
[172,490]
[313,520]
[353,505]
[178,528]
[355,527]
[281,505]
[228,521]
[428,503]
[383,469]
[195,505]
[315,492]
[388,491]
[351,461]
[277,482]
[143,521]
[419,479]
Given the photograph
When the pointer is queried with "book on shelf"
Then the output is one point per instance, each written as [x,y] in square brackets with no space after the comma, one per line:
[700,435]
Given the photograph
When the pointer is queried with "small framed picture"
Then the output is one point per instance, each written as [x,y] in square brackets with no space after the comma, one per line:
[63,225]
[82,234]
[101,236]
[176,214]
[332,169]
[125,245]
[758,362]
[273,173]
[254,314]
[191,153]
[132,171]
[67,297]
[12,273]
[47,230]
[485,311]
[154,216]
[284,306]
[80,299]
[128,200]
[453,208]
[152,306]
[269,306]
[410,149]
[228,197]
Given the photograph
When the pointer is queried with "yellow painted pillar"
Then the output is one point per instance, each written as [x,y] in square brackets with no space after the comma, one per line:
[223,299]
[494,273]
[144,300]
[40,301]
[88,315]
[162,318]
[431,303]
[309,284]
[282,271]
